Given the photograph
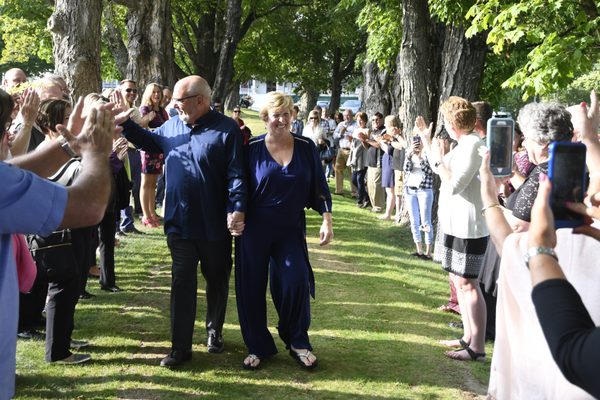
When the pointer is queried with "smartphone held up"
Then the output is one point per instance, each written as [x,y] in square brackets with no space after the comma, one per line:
[567,172]
[499,137]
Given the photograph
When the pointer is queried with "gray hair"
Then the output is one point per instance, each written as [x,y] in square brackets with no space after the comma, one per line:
[546,122]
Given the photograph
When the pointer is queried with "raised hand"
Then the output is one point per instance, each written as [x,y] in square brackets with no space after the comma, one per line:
[541,229]
[30,105]
[120,146]
[422,129]
[76,119]
[97,132]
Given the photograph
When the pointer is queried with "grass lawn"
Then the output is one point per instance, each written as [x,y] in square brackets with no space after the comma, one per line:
[375,329]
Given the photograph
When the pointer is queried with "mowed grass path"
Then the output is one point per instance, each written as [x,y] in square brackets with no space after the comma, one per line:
[374,328]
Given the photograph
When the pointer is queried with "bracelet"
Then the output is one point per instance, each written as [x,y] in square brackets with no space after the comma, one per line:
[484,209]
[535,251]
[64,143]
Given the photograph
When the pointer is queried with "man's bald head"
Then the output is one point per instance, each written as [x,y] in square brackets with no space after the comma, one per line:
[13,77]
[191,98]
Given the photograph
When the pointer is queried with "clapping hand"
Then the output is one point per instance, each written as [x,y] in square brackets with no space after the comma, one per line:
[541,229]
[97,133]
[120,146]
[119,110]
[29,106]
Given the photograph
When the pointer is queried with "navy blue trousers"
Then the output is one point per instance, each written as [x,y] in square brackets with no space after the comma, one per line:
[282,254]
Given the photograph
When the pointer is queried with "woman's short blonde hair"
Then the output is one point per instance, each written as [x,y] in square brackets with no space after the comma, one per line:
[392,121]
[362,116]
[276,101]
[313,114]
[460,112]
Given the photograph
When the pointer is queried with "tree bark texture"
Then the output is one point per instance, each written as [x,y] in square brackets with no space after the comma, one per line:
[224,74]
[308,100]
[150,45]
[416,61]
[75,28]
[376,90]
[462,64]
[336,81]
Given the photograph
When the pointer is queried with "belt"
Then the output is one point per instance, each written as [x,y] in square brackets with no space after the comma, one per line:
[345,148]
[413,188]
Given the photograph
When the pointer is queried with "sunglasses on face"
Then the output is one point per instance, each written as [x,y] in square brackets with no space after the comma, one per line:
[236,111]
[130,90]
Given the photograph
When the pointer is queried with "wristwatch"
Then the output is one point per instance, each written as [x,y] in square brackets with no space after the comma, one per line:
[64,143]
[437,164]
[534,251]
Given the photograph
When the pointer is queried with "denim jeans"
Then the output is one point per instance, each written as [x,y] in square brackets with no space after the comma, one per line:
[419,202]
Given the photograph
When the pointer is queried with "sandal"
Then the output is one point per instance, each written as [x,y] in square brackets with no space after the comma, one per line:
[447,308]
[472,355]
[251,366]
[461,343]
[302,357]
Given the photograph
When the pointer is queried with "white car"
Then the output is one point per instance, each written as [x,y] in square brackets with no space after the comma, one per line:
[353,105]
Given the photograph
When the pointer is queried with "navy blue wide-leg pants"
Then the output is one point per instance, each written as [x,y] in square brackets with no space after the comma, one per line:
[283,253]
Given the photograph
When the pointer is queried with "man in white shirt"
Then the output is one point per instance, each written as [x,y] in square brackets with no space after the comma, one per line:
[343,132]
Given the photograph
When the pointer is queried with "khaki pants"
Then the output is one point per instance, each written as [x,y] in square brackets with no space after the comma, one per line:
[374,188]
[340,167]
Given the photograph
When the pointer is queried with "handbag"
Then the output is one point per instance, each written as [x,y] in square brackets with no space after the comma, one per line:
[326,155]
[53,255]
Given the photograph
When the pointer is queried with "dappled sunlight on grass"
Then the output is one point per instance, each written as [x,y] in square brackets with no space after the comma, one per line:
[375,328]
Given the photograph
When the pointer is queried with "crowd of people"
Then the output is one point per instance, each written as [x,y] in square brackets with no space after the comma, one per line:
[71,170]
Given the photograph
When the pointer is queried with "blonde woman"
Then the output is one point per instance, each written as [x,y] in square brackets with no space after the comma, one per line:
[285,176]
[313,129]
[152,163]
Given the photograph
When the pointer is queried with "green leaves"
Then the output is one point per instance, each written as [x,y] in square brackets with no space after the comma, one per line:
[563,40]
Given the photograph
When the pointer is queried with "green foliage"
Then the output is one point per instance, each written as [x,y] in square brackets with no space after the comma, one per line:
[563,40]
[25,40]
[383,23]
[296,44]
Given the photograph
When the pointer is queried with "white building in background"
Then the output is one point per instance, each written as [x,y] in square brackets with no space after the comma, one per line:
[258,89]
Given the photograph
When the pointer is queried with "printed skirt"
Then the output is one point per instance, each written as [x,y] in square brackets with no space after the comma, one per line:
[463,257]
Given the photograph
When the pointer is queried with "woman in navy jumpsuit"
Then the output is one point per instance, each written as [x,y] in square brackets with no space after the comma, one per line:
[285,176]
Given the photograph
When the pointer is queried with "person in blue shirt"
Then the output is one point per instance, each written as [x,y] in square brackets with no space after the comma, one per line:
[285,177]
[31,204]
[205,198]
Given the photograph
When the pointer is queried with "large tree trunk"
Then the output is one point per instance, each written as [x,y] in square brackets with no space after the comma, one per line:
[75,31]
[229,45]
[150,44]
[462,64]
[376,90]
[415,62]
[336,81]
[308,101]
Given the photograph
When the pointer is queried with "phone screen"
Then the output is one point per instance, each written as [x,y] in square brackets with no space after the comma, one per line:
[500,146]
[567,172]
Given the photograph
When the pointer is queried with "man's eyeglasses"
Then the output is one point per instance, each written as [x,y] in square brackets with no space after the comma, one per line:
[130,90]
[182,99]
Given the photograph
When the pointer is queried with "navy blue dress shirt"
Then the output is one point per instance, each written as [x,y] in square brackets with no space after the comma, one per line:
[204,172]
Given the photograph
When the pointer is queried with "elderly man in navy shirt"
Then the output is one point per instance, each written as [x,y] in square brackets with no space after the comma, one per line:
[205,202]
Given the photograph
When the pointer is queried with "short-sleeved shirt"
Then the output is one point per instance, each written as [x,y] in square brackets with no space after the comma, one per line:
[28,204]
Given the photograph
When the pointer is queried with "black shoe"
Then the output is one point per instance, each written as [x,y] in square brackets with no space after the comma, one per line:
[113,289]
[175,358]
[75,359]
[86,295]
[215,343]
[31,334]
[133,230]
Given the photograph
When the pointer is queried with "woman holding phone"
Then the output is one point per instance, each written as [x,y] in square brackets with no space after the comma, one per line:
[418,194]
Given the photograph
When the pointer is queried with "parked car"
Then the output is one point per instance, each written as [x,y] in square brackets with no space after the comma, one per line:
[353,105]
[246,101]
[323,103]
